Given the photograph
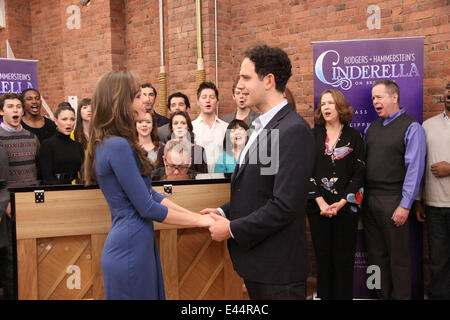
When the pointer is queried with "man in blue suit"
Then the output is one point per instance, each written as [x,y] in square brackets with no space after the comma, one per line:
[264,222]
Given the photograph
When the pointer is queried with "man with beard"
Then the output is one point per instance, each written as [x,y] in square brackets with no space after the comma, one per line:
[148,98]
[33,120]
[436,198]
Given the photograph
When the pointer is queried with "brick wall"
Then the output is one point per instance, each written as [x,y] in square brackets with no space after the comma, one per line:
[18,29]
[294,24]
[124,34]
[121,34]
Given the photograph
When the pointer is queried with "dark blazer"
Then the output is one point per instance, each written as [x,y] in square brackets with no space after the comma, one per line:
[161,120]
[163,133]
[252,115]
[267,211]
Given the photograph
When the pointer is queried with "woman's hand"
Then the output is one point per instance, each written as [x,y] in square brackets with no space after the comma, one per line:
[325,208]
[210,211]
[338,205]
[205,221]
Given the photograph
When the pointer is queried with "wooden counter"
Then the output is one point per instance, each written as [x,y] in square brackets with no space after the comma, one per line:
[60,242]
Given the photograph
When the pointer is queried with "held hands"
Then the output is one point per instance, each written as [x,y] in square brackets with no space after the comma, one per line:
[205,221]
[220,228]
[330,210]
[325,208]
[338,205]
[210,211]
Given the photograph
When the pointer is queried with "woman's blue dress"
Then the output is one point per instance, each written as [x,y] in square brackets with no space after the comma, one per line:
[130,260]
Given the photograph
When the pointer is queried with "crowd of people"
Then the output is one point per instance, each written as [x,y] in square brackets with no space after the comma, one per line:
[395,166]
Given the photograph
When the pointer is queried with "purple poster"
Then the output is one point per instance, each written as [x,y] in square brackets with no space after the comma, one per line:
[17,75]
[352,67]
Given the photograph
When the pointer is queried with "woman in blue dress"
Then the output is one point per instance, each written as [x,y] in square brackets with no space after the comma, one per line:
[115,160]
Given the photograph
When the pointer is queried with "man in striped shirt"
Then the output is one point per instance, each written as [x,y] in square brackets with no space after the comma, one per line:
[21,148]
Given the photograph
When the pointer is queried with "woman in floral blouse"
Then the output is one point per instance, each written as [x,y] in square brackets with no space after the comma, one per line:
[336,195]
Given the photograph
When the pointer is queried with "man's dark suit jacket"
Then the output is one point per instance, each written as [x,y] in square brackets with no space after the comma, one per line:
[161,120]
[267,211]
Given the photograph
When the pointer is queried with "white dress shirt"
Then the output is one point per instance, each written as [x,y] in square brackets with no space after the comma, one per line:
[210,138]
[259,123]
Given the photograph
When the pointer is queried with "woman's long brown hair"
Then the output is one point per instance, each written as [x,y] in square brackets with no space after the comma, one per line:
[113,116]
[78,132]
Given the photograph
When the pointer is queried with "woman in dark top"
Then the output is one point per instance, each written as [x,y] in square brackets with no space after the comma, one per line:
[180,127]
[336,195]
[60,157]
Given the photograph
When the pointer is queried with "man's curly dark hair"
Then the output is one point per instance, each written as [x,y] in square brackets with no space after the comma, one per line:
[271,60]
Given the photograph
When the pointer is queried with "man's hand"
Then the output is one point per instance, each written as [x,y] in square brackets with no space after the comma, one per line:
[220,230]
[210,211]
[440,169]
[205,221]
[420,213]
[400,215]
[8,210]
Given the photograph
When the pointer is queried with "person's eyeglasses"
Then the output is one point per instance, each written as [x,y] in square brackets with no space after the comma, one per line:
[179,168]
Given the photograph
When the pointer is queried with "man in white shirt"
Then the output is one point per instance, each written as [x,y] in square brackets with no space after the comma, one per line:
[436,199]
[209,130]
